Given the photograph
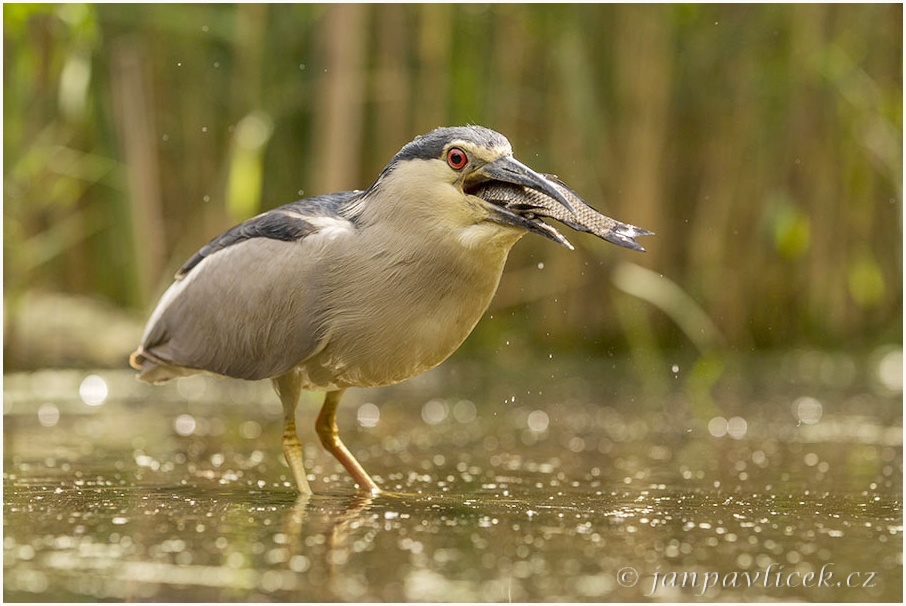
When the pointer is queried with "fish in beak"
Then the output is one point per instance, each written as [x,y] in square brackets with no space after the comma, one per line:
[507,172]
[528,196]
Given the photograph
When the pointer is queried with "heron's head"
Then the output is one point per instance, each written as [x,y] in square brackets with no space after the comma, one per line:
[470,172]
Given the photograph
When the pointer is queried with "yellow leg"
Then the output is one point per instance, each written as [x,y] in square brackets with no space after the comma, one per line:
[326,427]
[289,387]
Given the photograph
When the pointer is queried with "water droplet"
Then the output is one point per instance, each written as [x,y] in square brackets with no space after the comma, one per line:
[93,390]
[717,427]
[737,428]
[184,425]
[890,370]
[464,411]
[250,430]
[538,421]
[434,412]
[368,415]
[48,415]
[808,410]
[299,563]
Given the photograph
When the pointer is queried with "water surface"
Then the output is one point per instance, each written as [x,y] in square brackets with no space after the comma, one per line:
[781,481]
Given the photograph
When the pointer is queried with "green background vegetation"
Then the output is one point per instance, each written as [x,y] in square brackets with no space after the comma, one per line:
[762,143]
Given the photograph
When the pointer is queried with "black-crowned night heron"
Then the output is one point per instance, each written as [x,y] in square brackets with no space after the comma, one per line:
[361,288]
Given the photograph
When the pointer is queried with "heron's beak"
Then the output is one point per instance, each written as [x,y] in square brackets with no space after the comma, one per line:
[528,204]
[509,172]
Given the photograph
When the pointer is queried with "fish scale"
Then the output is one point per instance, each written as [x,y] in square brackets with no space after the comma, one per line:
[528,202]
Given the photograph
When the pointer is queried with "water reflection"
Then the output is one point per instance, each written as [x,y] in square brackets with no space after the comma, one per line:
[534,499]
[188,543]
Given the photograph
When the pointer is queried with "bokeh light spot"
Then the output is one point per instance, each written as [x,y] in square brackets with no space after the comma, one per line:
[93,390]
[48,415]
[368,415]
[184,425]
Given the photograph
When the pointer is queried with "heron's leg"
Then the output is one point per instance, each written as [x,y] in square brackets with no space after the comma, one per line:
[326,426]
[288,387]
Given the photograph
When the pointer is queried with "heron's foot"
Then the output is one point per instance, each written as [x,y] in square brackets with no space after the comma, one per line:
[326,428]
[292,450]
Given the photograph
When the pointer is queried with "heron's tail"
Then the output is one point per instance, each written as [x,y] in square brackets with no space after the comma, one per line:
[152,369]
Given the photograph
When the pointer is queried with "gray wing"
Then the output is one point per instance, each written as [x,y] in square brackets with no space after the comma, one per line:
[246,304]
[288,223]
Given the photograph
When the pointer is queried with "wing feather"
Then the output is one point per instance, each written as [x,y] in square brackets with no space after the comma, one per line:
[287,223]
[245,305]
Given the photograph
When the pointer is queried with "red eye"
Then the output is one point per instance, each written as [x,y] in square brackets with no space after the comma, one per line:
[456,158]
